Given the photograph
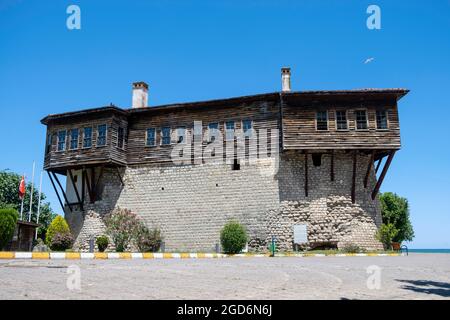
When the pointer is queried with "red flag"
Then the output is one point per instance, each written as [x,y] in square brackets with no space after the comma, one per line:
[22,188]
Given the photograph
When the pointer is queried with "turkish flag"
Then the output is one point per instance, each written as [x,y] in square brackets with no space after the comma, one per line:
[22,188]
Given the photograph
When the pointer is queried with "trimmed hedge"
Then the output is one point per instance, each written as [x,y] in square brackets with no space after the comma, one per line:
[8,220]
[102,243]
[233,237]
[61,242]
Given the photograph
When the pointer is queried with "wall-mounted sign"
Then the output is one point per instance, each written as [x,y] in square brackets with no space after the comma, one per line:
[300,234]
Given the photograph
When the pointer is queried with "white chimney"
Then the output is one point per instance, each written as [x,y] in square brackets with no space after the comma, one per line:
[140,95]
[286,79]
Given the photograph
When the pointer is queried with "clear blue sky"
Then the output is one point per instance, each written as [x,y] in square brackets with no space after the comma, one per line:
[189,51]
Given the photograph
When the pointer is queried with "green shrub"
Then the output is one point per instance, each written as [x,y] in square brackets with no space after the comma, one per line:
[122,226]
[61,242]
[352,248]
[233,237]
[148,240]
[58,225]
[102,243]
[386,234]
[8,220]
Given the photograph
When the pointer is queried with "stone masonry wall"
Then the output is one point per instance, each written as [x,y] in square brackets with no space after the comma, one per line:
[190,204]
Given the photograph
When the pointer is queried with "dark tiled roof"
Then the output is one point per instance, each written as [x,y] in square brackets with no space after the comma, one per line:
[398,93]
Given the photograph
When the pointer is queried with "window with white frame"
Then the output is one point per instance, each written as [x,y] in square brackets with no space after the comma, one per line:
[361,119]
[165,135]
[74,139]
[120,138]
[247,128]
[382,122]
[151,137]
[322,120]
[62,140]
[101,135]
[48,147]
[87,137]
[341,120]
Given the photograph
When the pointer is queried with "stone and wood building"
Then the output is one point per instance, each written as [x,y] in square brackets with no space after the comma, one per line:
[270,161]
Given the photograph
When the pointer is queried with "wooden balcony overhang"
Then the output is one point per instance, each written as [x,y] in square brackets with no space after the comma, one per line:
[63,167]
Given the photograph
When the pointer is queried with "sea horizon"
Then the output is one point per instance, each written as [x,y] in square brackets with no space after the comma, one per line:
[429,250]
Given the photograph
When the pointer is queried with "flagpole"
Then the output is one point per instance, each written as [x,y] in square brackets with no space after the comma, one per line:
[31,195]
[39,205]
[21,206]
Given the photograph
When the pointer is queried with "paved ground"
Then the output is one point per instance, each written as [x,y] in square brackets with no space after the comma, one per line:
[419,276]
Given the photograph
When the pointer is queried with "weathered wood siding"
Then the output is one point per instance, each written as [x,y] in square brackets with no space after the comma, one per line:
[264,115]
[299,127]
[109,153]
[298,116]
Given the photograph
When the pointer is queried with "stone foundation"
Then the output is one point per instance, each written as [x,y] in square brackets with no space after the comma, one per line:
[190,204]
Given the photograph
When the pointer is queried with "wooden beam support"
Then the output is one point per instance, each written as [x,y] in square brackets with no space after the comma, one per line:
[76,189]
[332,166]
[56,190]
[378,165]
[92,185]
[120,177]
[95,189]
[62,190]
[354,177]
[383,174]
[306,173]
[83,191]
[88,184]
[369,168]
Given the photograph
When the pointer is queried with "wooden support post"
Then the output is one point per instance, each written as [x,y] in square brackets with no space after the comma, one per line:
[120,177]
[95,189]
[56,190]
[332,166]
[354,177]
[92,185]
[88,184]
[83,180]
[76,189]
[378,165]
[62,190]
[306,173]
[369,168]
[383,174]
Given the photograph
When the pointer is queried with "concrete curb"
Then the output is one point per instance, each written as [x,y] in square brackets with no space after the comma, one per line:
[137,255]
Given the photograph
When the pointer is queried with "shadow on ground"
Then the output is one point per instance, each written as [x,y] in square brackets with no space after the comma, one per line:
[425,286]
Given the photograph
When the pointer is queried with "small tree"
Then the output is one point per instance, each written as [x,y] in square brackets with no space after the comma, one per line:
[122,226]
[233,237]
[386,234]
[8,220]
[9,183]
[395,211]
[58,225]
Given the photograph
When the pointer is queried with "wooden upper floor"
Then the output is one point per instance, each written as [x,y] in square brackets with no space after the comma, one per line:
[309,120]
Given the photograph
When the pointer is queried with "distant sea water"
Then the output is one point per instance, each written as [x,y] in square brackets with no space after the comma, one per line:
[430,250]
